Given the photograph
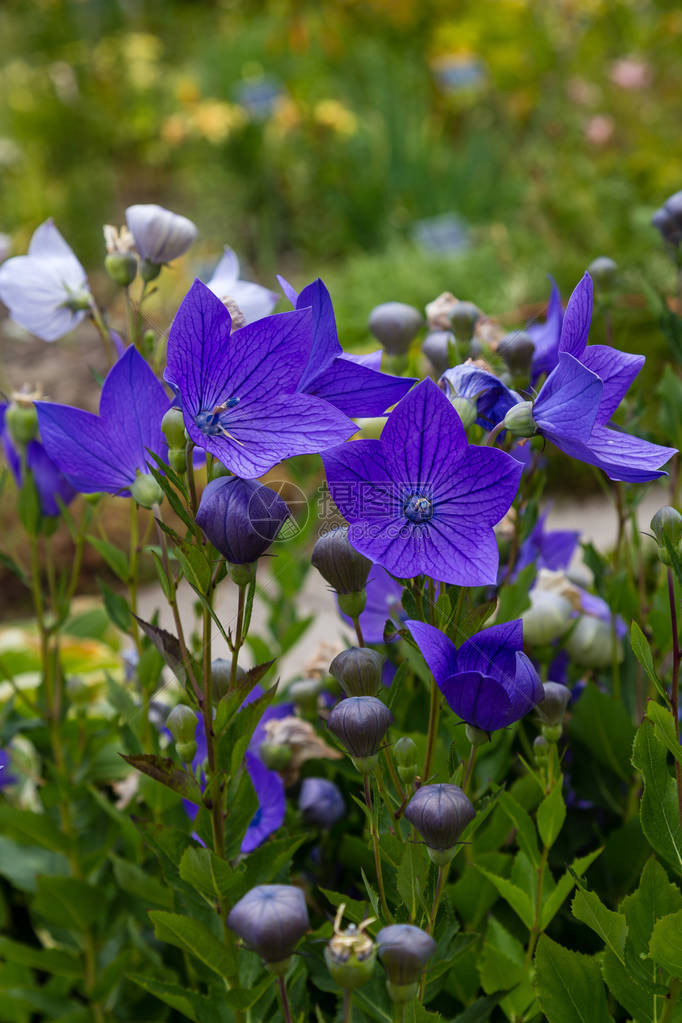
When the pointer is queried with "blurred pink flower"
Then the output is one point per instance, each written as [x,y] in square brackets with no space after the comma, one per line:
[599,129]
[630,73]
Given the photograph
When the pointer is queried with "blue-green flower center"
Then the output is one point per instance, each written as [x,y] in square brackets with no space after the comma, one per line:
[418,509]
[208,420]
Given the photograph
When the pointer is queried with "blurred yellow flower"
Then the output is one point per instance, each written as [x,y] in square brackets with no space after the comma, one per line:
[187,89]
[285,117]
[215,120]
[334,115]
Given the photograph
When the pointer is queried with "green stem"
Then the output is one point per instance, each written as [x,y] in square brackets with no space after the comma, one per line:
[173,602]
[191,482]
[468,773]
[238,638]
[670,1001]
[348,1005]
[104,332]
[494,433]
[393,773]
[536,928]
[440,884]
[284,998]
[358,631]
[375,846]
[434,711]
[675,691]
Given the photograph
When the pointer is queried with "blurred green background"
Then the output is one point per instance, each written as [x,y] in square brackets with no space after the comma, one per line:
[316,138]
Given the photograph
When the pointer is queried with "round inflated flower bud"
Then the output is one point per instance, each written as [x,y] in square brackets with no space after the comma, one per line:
[173,427]
[221,673]
[146,491]
[182,723]
[519,419]
[395,325]
[339,564]
[160,236]
[186,751]
[465,409]
[121,267]
[321,803]
[271,919]
[673,207]
[541,748]
[552,707]
[21,422]
[590,643]
[604,271]
[547,618]
[241,518]
[666,226]
[666,526]
[405,756]
[304,694]
[360,724]
[350,954]
[437,347]
[440,813]
[358,671]
[476,736]
[404,950]
[463,319]
[177,459]
[517,348]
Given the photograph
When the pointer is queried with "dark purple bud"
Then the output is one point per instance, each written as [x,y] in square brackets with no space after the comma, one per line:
[440,813]
[404,950]
[517,349]
[395,325]
[358,671]
[360,724]
[673,207]
[241,518]
[437,346]
[463,319]
[665,224]
[271,919]
[339,564]
[321,803]
[552,707]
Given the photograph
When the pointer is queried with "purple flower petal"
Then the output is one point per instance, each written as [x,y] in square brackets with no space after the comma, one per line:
[290,292]
[545,336]
[493,648]
[526,689]
[481,489]
[438,651]
[372,360]
[622,457]
[478,699]
[356,389]
[616,370]
[577,319]
[568,401]
[270,814]
[358,480]
[325,347]
[50,482]
[423,439]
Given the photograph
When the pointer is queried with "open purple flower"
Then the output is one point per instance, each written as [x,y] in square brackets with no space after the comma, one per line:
[45,291]
[552,548]
[581,394]
[421,500]
[490,398]
[545,336]
[353,384]
[50,482]
[254,300]
[110,452]
[238,391]
[488,682]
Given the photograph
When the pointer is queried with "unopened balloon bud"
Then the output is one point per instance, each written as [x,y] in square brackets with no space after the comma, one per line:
[519,419]
[350,954]
[173,427]
[146,491]
[121,267]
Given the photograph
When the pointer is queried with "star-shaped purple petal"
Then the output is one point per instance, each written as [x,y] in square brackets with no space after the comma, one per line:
[545,336]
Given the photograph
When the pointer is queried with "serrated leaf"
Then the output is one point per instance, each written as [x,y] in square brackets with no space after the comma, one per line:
[167,645]
[569,985]
[49,960]
[664,728]
[666,944]
[642,651]
[166,771]
[67,902]
[170,994]
[194,937]
[208,874]
[412,870]
[116,607]
[603,725]
[551,815]
[525,829]
[553,903]
[138,882]
[659,813]
[611,927]
[518,899]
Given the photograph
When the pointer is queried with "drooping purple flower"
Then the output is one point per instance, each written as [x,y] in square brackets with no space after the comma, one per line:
[353,384]
[489,682]
[321,803]
[50,483]
[384,594]
[241,518]
[490,397]
[421,500]
[45,291]
[581,394]
[238,391]
[110,452]
[254,300]
[545,336]
[552,548]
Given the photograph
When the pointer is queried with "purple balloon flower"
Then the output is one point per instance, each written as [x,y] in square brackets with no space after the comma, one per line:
[552,548]
[545,336]
[488,682]
[238,390]
[241,518]
[45,291]
[109,452]
[422,500]
[354,384]
[50,482]
[491,398]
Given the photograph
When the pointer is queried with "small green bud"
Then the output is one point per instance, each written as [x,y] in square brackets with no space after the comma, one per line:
[21,420]
[541,748]
[552,733]
[242,575]
[79,301]
[465,409]
[182,723]
[146,491]
[173,426]
[352,604]
[590,644]
[121,267]
[476,736]
[149,271]
[666,526]
[186,751]
[304,694]
[275,755]
[177,459]
[405,756]
[519,419]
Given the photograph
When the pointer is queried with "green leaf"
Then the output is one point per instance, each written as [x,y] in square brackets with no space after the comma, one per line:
[115,558]
[479,1011]
[194,937]
[23,864]
[569,985]
[525,829]
[167,645]
[518,899]
[611,927]
[554,901]
[656,897]
[195,567]
[32,828]
[138,882]
[642,652]
[116,607]
[502,964]
[664,728]
[637,1000]
[231,702]
[166,771]
[412,870]
[170,994]
[68,902]
[659,813]
[603,725]
[551,815]
[666,944]
[48,960]
[212,877]
[514,597]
